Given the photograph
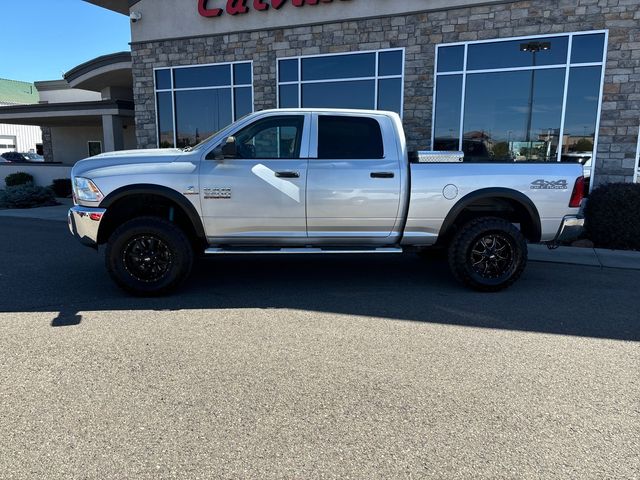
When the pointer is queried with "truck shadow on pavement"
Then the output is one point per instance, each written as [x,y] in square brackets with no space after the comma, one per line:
[68,279]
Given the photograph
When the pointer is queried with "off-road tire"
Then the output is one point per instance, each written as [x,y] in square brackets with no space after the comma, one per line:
[177,258]
[463,252]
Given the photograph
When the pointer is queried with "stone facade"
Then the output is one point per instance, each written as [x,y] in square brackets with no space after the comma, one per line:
[47,144]
[418,34]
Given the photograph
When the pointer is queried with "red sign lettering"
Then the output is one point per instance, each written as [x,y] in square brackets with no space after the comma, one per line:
[235,7]
[208,12]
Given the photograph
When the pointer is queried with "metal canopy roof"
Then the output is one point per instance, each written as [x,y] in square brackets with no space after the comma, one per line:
[16,93]
[120,6]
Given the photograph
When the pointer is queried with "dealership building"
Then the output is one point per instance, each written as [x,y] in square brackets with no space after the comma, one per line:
[544,80]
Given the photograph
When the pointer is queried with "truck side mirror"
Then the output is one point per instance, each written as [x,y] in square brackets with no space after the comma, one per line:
[229,149]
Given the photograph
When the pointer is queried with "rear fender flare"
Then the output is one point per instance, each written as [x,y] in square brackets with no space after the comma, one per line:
[495,192]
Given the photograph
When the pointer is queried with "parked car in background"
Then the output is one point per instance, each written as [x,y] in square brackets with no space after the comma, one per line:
[19,157]
[14,157]
[33,157]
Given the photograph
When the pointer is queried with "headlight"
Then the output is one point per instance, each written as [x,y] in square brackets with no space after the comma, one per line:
[86,190]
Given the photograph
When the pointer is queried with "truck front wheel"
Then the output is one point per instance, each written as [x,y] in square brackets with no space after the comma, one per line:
[488,254]
[149,256]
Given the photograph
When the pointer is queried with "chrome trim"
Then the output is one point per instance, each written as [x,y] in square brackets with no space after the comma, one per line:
[570,229]
[84,224]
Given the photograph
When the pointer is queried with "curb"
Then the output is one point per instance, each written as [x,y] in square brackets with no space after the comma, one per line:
[593,257]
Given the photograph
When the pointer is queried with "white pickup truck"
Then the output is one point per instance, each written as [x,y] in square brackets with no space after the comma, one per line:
[317,182]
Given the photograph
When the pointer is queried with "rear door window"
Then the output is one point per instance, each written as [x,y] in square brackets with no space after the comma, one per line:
[349,138]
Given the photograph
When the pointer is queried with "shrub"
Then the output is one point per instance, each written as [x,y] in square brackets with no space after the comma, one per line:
[18,178]
[61,187]
[26,196]
[612,216]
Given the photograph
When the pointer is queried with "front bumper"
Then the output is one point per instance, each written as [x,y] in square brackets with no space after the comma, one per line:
[84,224]
[571,229]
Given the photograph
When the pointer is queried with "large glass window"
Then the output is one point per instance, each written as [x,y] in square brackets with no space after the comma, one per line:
[531,99]
[194,102]
[363,80]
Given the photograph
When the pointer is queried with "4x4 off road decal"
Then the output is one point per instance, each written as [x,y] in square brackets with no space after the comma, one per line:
[549,185]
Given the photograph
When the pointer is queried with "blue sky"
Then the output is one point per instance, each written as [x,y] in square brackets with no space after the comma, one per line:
[42,39]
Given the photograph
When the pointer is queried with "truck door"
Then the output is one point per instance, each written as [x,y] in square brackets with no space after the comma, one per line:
[353,184]
[260,194]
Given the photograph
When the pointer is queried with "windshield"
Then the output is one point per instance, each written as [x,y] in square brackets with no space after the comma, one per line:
[206,140]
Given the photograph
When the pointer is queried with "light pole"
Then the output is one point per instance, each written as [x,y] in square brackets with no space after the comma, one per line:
[533,48]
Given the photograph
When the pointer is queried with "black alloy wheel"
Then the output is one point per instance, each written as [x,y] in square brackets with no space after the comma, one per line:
[492,255]
[149,256]
[488,254]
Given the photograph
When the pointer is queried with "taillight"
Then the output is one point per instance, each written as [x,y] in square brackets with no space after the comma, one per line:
[578,193]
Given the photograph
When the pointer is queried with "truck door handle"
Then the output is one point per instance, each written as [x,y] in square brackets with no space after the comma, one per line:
[382,175]
[288,174]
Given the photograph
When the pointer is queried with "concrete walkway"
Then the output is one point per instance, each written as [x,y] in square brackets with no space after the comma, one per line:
[58,212]
[593,257]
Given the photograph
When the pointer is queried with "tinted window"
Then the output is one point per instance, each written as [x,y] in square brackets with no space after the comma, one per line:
[513,115]
[349,138]
[451,59]
[390,95]
[288,70]
[165,120]
[201,113]
[448,104]
[339,66]
[278,137]
[289,96]
[518,53]
[582,109]
[193,77]
[390,63]
[163,79]
[242,74]
[355,94]
[587,48]
[243,101]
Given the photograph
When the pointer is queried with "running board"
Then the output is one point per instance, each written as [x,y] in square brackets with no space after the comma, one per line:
[280,251]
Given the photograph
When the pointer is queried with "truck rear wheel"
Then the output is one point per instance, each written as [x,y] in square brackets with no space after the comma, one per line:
[488,254]
[149,256]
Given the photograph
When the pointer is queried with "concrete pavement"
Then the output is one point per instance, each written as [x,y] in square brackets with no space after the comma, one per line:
[335,367]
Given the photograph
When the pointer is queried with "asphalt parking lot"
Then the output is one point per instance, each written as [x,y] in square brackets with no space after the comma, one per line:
[323,367]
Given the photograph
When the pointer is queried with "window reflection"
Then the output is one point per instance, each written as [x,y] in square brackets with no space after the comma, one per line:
[206,98]
[514,111]
[510,54]
[358,94]
[201,113]
[339,66]
[581,114]
[343,81]
[513,115]
[165,120]
[448,104]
